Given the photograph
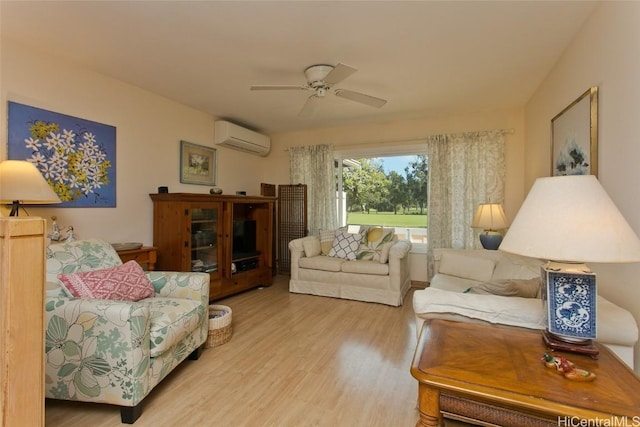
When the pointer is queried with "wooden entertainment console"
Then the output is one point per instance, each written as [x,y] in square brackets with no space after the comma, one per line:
[195,232]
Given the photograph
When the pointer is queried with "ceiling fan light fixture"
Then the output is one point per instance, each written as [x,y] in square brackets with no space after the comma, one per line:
[321,79]
[315,74]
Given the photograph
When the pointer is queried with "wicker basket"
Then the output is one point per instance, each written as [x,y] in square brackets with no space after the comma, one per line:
[220,329]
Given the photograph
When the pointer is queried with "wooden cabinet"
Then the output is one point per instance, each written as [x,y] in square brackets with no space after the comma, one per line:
[229,237]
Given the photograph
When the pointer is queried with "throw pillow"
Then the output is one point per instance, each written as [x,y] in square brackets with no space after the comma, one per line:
[384,252]
[327,237]
[373,241]
[311,247]
[345,245]
[126,282]
[525,288]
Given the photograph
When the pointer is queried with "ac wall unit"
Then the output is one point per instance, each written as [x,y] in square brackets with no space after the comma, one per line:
[231,135]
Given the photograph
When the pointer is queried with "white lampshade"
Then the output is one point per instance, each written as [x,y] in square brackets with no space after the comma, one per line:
[490,216]
[571,218]
[22,181]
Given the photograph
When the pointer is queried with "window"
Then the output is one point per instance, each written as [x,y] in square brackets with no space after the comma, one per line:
[390,190]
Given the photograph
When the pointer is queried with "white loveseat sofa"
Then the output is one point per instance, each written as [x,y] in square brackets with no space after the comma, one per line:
[495,287]
[362,280]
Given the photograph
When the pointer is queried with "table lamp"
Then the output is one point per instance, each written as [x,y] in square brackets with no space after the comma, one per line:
[568,221]
[21,183]
[491,218]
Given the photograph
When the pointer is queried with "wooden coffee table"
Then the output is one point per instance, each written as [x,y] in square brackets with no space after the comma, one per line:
[493,375]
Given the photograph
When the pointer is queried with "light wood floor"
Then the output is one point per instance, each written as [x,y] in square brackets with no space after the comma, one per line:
[293,360]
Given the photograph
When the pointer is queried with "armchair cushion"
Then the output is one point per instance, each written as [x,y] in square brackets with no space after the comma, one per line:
[324,263]
[366,267]
[126,282]
[171,320]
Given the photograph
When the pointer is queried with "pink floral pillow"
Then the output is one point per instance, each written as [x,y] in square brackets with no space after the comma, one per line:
[126,282]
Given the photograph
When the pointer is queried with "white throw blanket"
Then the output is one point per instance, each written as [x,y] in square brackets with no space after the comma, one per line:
[522,312]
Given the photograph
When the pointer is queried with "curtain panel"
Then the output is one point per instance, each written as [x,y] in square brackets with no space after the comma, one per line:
[465,170]
[314,166]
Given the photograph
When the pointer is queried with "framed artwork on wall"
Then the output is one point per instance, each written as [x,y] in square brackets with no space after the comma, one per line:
[76,156]
[197,164]
[574,137]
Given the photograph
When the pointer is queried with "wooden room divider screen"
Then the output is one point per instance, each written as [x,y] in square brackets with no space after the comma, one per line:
[292,220]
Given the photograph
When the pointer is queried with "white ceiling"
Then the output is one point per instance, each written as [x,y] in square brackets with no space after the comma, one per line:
[427,58]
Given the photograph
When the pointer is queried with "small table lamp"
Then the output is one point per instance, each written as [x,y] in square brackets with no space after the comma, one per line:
[22,183]
[490,217]
[570,220]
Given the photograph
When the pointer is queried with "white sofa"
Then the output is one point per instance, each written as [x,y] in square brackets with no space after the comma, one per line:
[482,286]
[362,280]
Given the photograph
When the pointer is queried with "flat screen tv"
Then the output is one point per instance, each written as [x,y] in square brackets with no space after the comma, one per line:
[244,239]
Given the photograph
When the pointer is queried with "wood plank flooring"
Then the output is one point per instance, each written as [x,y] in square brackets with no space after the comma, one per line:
[293,360]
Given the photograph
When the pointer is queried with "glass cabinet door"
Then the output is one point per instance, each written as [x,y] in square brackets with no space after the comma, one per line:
[204,239]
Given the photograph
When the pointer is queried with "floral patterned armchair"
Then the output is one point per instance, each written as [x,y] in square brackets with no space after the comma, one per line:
[115,352]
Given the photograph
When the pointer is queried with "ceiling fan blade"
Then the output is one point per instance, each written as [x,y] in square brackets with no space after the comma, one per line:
[278,87]
[339,73]
[309,106]
[360,97]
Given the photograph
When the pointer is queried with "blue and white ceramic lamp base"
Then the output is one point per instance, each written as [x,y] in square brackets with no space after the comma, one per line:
[571,303]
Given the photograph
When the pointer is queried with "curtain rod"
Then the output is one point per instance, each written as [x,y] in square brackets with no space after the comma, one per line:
[413,140]
[408,141]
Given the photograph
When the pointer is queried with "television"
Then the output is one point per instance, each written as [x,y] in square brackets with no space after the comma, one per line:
[244,239]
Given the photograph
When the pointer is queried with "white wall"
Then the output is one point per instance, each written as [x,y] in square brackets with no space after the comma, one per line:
[604,54]
[148,133]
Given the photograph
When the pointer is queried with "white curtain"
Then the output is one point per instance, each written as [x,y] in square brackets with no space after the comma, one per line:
[464,170]
[314,166]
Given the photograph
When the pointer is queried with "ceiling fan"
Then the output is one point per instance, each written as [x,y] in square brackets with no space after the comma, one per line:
[320,79]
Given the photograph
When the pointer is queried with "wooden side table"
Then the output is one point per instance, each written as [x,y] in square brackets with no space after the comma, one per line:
[495,375]
[146,255]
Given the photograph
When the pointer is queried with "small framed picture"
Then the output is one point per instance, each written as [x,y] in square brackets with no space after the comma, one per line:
[574,137]
[197,164]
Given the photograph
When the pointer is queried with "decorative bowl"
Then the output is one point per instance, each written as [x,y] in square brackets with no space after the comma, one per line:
[129,246]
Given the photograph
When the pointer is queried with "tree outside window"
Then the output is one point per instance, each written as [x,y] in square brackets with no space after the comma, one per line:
[391,199]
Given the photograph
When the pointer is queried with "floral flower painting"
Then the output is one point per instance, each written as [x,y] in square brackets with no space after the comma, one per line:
[77,157]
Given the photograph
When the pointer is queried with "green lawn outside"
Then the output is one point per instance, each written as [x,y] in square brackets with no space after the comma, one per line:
[387,219]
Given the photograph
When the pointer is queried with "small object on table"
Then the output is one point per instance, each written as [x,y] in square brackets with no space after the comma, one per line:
[56,234]
[567,368]
[70,235]
[129,246]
